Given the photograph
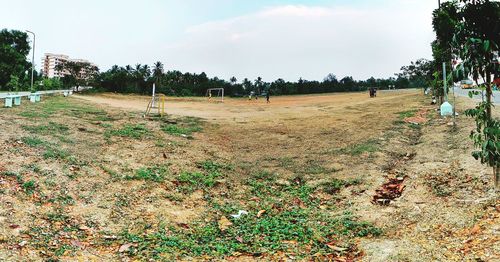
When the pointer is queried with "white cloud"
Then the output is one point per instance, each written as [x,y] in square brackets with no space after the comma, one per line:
[310,42]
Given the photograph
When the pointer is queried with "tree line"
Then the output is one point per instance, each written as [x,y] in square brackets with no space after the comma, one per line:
[15,76]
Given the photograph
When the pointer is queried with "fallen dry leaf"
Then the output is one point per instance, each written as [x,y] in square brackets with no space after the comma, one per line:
[224,223]
[475,229]
[260,213]
[125,247]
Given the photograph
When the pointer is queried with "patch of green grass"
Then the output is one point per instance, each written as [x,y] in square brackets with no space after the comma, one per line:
[133,131]
[155,174]
[196,180]
[211,166]
[406,114]
[49,129]
[178,130]
[55,153]
[184,126]
[369,146]
[295,230]
[33,141]
[34,114]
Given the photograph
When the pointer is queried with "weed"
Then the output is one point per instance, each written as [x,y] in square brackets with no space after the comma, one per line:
[29,187]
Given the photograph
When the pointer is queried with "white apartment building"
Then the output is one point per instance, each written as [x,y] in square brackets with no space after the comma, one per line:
[50,62]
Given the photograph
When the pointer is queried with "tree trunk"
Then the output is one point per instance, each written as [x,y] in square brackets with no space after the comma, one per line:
[488,95]
[496,177]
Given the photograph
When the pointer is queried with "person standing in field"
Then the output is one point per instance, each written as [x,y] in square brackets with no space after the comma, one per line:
[267,96]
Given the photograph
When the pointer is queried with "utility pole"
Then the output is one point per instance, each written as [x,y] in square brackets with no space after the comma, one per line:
[33,58]
[445,83]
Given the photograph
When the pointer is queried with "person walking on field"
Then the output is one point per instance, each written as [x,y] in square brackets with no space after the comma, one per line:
[267,96]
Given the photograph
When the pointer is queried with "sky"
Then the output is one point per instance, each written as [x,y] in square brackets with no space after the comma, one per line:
[287,39]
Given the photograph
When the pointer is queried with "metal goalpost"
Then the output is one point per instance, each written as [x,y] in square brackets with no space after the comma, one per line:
[218,93]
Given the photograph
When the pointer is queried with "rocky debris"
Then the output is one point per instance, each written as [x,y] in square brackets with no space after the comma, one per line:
[419,118]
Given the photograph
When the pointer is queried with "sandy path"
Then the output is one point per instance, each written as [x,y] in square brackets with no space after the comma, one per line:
[243,110]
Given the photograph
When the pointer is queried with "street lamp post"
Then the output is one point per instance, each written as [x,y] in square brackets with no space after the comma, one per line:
[33,58]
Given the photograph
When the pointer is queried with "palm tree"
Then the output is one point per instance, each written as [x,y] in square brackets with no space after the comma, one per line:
[258,84]
[157,72]
[233,80]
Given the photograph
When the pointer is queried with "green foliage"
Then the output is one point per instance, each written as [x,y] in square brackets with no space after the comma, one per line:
[486,136]
[14,48]
[13,84]
[49,84]
[477,38]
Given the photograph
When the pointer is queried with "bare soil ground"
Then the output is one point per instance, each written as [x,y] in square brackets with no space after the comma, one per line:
[87,178]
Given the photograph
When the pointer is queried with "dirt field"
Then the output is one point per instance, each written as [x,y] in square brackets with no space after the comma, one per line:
[87,178]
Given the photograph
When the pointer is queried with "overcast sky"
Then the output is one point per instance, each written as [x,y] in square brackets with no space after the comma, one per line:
[246,38]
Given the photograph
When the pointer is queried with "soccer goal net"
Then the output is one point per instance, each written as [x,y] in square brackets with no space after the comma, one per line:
[215,94]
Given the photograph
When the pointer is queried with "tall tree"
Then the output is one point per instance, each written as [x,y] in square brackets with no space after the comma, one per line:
[14,47]
[444,22]
[78,73]
[158,72]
